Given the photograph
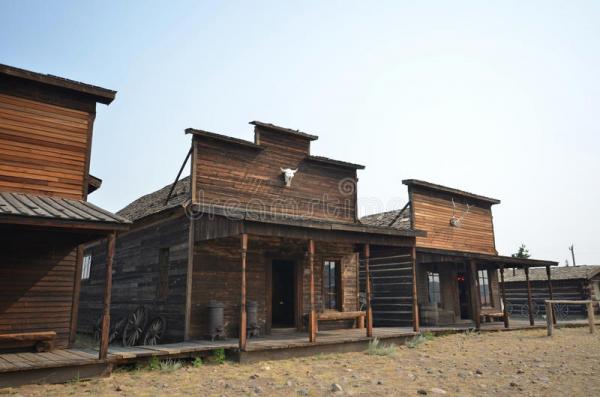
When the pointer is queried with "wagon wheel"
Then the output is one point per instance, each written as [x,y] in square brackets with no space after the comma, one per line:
[510,308]
[97,329]
[134,329]
[525,309]
[116,329]
[561,312]
[154,331]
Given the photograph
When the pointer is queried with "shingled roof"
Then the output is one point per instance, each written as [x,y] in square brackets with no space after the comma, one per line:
[557,273]
[155,202]
[397,219]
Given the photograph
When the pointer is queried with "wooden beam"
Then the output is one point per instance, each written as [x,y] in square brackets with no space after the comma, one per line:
[415,302]
[243,295]
[76,292]
[503,293]
[590,313]
[549,317]
[189,279]
[110,253]
[529,299]
[550,292]
[367,254]
[475,303]
[312,316]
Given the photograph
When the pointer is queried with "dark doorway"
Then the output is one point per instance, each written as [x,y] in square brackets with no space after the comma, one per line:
[283,288]
[463,295]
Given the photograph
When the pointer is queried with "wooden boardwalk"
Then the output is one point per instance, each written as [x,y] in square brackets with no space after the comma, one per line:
[64,364]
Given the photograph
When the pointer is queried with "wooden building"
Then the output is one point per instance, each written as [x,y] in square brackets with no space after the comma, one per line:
[456,276]
[260,221]
[568,282]
[46,125]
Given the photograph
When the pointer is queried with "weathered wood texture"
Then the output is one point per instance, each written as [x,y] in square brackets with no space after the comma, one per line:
[247,178]
[136,275]
[37,278]
[43,148]
[432,212]
[516,293]
[217,276]
[391,281]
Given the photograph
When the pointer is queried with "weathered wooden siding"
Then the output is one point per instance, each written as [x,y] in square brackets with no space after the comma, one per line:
[136,275]
[37,277]
[516,294]
[391,281]
[432,212]
[241,177]
[217,276]
[43,148]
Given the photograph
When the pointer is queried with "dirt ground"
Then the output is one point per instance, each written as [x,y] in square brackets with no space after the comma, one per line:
[491,364]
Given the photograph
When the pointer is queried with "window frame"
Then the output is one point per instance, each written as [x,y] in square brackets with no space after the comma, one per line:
[484,289]
[435,293]
[86,267]
[338,285]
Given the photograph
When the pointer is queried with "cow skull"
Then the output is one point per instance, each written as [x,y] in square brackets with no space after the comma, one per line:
[288,174]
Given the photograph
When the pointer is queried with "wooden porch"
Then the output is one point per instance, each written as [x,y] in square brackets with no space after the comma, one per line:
[63,365]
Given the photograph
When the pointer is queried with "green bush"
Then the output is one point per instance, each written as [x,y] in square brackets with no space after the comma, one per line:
[219,356]
[418,339]
[376,348]
[197,362]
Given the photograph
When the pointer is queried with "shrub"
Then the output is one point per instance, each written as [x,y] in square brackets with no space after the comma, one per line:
[219,356]
[169,365]
[154,363]
[418,339]
[377,348]
[197,362]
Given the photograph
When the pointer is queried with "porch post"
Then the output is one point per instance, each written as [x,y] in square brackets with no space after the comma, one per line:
[110,253]
[415,303]
[503,292]
[550,292]
[312,316]
[529,300]
[243,295]
[475,304]
[367,254]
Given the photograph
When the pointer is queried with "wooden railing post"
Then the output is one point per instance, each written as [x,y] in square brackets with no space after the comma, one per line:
[503,292]
[243,338]
[312,316]
[475,302]
[529,299]
[550,292]
[110,253]
[367,254]
[590,310]
[549,317]
[415,302]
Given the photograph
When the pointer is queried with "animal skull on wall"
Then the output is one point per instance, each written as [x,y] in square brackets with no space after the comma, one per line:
[288,175]
[455,220]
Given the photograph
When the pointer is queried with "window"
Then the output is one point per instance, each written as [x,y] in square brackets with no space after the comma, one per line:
[433,287]
[484,287]
[163,273]
[86,267]
[331,285]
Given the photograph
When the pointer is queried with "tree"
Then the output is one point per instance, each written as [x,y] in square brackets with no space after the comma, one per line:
[523,252]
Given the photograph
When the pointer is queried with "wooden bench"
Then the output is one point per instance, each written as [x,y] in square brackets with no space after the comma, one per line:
[332,315]
[492,316]
[40,341]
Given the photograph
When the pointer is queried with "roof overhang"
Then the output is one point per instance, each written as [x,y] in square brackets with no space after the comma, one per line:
[449,190]
[289,131]
[99,94]
[436,255]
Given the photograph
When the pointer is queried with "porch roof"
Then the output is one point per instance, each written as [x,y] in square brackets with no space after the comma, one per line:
[235,221]
[430,255]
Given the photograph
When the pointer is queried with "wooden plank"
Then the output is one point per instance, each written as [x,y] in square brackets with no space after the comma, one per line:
[107,295]
[244,250]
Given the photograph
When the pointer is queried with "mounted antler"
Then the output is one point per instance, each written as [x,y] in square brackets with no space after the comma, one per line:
[456,221]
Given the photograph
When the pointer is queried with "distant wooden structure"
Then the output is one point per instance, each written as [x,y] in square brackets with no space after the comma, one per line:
[46,125]
[550,310]
[568,283]
[455,276]
[234,232]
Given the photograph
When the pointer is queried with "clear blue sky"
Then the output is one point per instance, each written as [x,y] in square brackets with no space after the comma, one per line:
[499,99]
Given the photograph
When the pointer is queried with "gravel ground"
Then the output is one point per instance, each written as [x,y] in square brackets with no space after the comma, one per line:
[491,364]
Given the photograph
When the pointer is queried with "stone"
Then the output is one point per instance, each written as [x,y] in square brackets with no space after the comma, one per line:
[422,392]
[437,390]
[258,390]
[478,372]
[289,383]
[336,388]
[303,392]
[254,376]
[380,382]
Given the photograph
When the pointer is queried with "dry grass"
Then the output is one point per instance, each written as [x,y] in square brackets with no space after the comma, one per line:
[493,364]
